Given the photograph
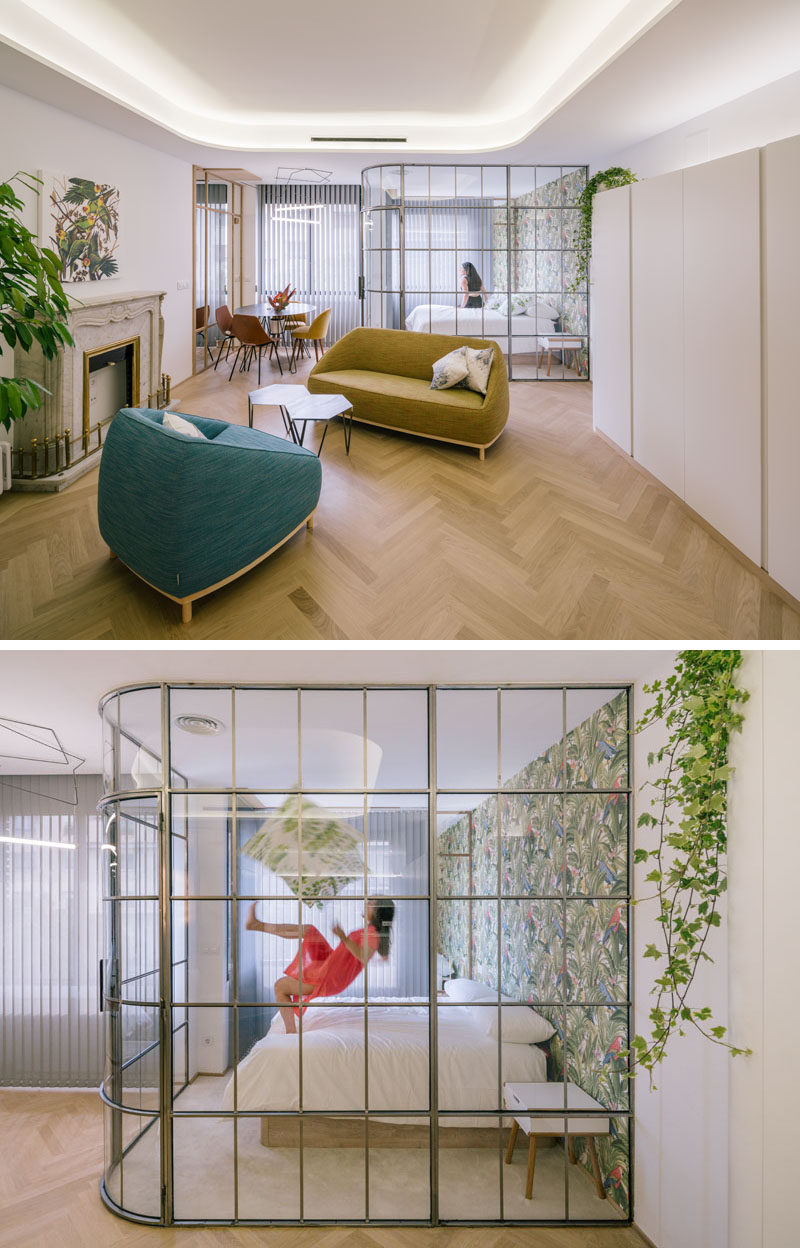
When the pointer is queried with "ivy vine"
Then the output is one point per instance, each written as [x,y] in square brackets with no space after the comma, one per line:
[700,706]
[606,179]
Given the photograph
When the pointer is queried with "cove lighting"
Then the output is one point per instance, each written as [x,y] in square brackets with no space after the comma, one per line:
[30,840]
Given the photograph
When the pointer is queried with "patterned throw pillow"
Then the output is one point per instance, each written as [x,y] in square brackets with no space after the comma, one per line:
[479,364]
[450,370]
[497,303]
[518,304]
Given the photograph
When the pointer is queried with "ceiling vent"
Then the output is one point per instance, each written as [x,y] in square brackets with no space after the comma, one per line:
[351,139]
[200,725]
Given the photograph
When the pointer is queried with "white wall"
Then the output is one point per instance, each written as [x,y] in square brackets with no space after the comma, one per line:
[155,206]
[681,1127]
[753,120]
[763,959]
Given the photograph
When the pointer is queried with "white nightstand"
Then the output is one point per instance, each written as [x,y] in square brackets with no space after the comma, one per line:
[524,1099]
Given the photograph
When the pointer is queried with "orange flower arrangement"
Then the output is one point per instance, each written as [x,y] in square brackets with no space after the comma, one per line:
[280,300]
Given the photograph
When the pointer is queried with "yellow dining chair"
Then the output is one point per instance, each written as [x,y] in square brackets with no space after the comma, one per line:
[315,332]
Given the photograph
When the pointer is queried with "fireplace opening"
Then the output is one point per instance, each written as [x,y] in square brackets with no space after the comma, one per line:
[110,381]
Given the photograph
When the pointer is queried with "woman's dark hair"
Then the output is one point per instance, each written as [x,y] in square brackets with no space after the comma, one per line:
[382,916]
[472,275]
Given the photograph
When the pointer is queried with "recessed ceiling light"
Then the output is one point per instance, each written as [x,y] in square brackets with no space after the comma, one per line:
[200,725]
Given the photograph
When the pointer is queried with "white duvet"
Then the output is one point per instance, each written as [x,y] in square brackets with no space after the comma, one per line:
[436,318]
[398,1042]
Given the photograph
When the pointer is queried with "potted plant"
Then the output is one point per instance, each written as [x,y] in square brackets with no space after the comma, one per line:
[33,306]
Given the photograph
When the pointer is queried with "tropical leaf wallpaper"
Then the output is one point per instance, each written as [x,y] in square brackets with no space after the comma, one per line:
[561,860]
[543,229]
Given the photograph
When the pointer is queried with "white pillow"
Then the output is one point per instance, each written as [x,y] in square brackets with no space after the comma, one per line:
[519,304]
[467,990]
[497,303]
[520,1024]
[538,309]
[479,364]
[175,422]
[450,370]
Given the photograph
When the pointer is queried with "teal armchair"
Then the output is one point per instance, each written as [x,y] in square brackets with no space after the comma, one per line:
[186,514]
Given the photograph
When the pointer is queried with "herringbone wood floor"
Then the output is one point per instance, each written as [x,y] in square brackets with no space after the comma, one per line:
[52,1151]
[556,535]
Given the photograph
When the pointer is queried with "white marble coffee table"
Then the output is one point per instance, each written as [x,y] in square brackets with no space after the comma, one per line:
[299,409]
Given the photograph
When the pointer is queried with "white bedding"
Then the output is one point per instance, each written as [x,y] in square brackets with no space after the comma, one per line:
[333,1063]
[436,318]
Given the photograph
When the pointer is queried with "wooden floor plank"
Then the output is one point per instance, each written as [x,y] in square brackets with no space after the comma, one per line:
[555,535]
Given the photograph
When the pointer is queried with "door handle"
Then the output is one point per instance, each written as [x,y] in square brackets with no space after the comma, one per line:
[100,979]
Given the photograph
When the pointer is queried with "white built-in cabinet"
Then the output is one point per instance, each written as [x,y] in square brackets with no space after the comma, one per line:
[693,342]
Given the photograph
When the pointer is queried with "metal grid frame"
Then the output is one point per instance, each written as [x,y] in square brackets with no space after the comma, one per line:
[487,203]
[113,997]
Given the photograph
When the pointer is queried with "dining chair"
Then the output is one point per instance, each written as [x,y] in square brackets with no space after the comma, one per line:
[201,316]
[252,338]
[225,326]
[315,332]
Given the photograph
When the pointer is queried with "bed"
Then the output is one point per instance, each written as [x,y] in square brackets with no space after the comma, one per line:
[398,1040]
[484,322]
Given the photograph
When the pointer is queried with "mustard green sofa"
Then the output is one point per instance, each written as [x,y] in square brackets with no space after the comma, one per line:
[386,375]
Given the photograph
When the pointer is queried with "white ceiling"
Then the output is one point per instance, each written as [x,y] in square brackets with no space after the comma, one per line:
[448,76]
[61,689]
[701,54]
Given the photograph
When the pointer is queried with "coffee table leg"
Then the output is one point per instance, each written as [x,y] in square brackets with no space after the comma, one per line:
[347,425]
[531,1165]
[322,439]
[571,1150]
[249,412]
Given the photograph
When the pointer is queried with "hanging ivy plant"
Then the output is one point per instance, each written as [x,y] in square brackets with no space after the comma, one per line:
[700,706]
[33,306]
[606,179]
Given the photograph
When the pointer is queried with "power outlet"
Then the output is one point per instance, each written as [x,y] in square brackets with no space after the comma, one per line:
[183,285]
[208,1041]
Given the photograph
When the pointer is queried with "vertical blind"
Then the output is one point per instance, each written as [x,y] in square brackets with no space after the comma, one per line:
[51,925]
[322,261]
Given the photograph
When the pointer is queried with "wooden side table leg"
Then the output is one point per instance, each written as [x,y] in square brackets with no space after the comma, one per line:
[549,359]
[512,1139]
[598,1182]
[571,1150]
[531,1165]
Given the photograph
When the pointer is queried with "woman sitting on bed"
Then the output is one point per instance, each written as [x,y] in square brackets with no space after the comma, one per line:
[472,286]
[318,970]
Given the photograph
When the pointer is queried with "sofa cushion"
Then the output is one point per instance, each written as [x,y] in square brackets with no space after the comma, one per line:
[450,370]
[368,382]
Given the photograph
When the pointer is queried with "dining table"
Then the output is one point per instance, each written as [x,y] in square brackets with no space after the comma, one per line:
[265,312]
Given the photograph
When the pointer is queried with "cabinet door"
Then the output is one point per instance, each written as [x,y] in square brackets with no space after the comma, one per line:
[611,315]
[780,198]
[657,327]
[722,347]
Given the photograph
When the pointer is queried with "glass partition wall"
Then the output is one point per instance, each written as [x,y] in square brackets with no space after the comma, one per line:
[511,229]
[224,244]
[443,875]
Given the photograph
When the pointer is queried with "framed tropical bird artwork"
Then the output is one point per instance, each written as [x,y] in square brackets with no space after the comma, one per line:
[80,221]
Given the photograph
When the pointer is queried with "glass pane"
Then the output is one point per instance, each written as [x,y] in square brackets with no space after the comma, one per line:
[134,833]
[418,273]
[404,972]
[269,1169]
[371,182]
[268,1071]
[596,1038]
[548,187]
[390,183]
[531,845]
[334,1169]
[388,1197]
[397,844]
[333,740]
[532,953]
[397,721]
[531,728]
[208,947]
[140,739]
[468,181]
[443,226]
[398,1033]
[267,746]
[601,1164]
[533,1173]
[548,229]
[597,950]
[597,844]
[469,230]
[495,184]
[202,831]
[112,1139]
[573,182]
[138,943]
[454,940]
[416,181]
[469,1175]
[139,1079]
[202,1152]
[597,739]
[141,1165]
[202,1051]
[110,714]
[442,182]
[466,732]
[201,736]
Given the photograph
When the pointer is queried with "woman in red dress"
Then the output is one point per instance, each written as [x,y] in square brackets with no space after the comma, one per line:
[318,970]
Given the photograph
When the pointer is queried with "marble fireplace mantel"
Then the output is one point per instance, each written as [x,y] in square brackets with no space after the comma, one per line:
[96,320]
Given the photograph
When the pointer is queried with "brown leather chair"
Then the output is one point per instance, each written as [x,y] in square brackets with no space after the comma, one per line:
[225,326]
[201,326]
[252,338]
[315,332]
